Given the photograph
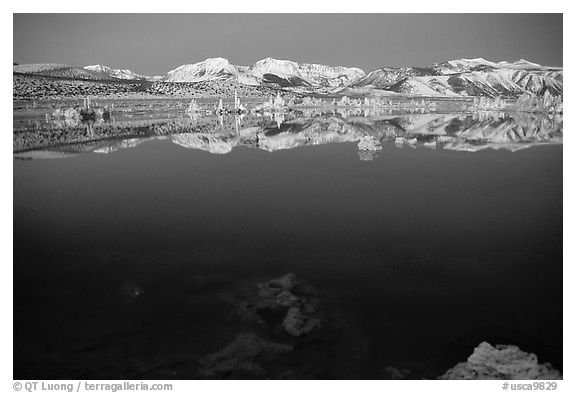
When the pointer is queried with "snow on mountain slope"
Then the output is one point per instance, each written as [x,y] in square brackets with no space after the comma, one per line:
[281,68]
[388,76]
[209,69]
[463,65]
[524,65]
[118,74]
[312,74]
[468,77]
[540,82]
[507,82]
[480,64]
[431,86]
[323,75]
[285,73]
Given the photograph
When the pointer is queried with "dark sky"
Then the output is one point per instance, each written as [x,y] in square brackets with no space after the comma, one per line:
[153,44]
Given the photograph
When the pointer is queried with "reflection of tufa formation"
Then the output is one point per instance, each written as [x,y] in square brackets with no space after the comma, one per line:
[272,131]
[533,104]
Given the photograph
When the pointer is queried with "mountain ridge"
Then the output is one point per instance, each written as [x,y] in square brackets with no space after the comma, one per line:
[467,77]
[452,78]
[285,73]
[117,73]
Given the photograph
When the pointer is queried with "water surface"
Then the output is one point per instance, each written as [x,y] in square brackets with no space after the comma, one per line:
[427,234]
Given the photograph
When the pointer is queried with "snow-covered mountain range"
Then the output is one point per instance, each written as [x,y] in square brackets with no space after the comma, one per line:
[467,77]
[284,73]
[454,78]
[118,74]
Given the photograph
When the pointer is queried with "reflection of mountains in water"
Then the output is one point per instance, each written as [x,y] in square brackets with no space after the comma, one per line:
[219,135]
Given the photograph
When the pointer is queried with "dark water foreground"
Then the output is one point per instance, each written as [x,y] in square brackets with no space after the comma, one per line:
[125,264]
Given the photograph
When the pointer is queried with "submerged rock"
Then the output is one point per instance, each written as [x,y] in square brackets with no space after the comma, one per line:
[395,373]
[287,303]
[132,290]
[368,155]
[297,323]
[289,282]
[245,357]
[317,340]
[501,362]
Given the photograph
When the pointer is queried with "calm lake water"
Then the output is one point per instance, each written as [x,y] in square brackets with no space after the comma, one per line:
[440,232]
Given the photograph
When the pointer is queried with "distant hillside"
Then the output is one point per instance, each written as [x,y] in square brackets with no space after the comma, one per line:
[116,74]
[468,77]
[61,71]
[38,86]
